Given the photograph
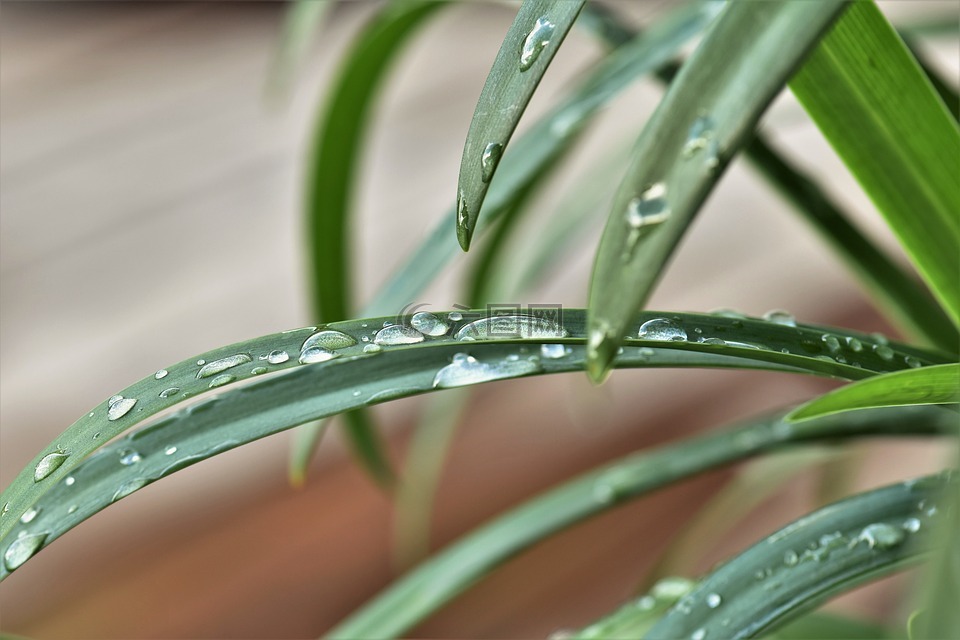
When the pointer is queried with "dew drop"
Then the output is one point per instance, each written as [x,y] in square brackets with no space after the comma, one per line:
[48,464]
[790,558]
[883,351]
[489,160]
[462,214]
[70,481]
[454,316]
[429,324]
[646,603]
[912,362]
[72,509]
[855,345]
[715,341]
[119,407]
[535,42]
[396,335]
[465,370]
[201,362]
[129,457]
[22,549]
[650,208]
[160,375]
[511,327]
[553,351]
[699,634]
[316,354]
[327,339]
[129,487]
[779,316]
[833,345]
[218,366]
[662,329]
[29,515]
[372,348]
[671,589]
[221,380]
[714,600]
[277,357]
[911,524]
[172,391]
[258,371]
[169,451]
[881,536]
[700,134]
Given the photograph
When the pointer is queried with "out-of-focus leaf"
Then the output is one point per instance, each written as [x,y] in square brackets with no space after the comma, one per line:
[303,19]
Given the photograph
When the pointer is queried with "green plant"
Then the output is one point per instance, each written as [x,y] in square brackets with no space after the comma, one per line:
[871,100]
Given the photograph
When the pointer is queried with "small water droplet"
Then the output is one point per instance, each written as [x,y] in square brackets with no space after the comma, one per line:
[221,380]
[912,362]
[489,160]
[701,132]
[329,339]
[372,348]
[699,634]
[650,208]
[22,549]
[535,42]
[879,338]
[258,371]
[553,351]
[316,354]
[911,524]
[672,588]
[880,536]
[779,316]
[159,375]
[832,343]
[510,327]
[277,357]
[48,464]
[662,329]
[218,366]
[70,481]
[29,515]
[462,214]
[465,370]
[72,509]
[396,335]
[714,600]
[201,362]
[129,457]
[790,558]
[646,603]
[604,493]
[429,324]
[715,341]
[119,407]
[454,316]
[883,351]
[172,391]
[129,487]
[169,451]
[855,345]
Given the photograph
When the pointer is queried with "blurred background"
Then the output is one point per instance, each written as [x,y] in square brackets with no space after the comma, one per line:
[150,209]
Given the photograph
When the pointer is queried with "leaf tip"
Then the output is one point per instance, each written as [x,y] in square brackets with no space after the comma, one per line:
[600,354]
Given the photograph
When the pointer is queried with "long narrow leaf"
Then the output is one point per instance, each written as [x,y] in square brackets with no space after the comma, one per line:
[301,23]
[447,574]
[930,385]
[527,50]
[709,111]
[797,568]
[885,121]
[345,371]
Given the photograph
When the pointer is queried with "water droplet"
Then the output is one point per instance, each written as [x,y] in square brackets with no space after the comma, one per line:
[172,391]
[119,407]
[454,316]
[462,214]
[277,357]
[604,493]
[650,208]
[372,348]
[327,339]
[70,481]
[672,588]
[701,132]
[48,464]
[879,338]
[833,345]
[790,558]
[880,535]
[553,351]
[646,603]
[72,509]
[129,487]
[779,316]
[316,354]
[465,370]
[159,375]
[912,362]
[258,371]
[22,549]
[169,451]
[129,457]
[221,380]
[397,334]
[218,366]
[662,329]
[535,42]
[429,324]
[855,345]
[357,393]
[714,600]
[29,515]
[201,362]
[511,327]
[489,160]
[911,524]
[715,341]
[885,352]
[699,634]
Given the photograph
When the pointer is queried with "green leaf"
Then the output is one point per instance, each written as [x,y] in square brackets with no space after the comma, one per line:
[543,143]
[799,567]
[448,573]
[829,626]
[928,385]
[940,592]
[302,20]
[346,372]
[527,50]
[874,105]
[707,114]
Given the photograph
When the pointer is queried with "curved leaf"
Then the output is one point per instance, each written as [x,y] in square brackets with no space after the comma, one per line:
[825,553]
[707,114]
[527,50]
[886,122]
[302,21]
[927,385]
[442,577]
[346,372]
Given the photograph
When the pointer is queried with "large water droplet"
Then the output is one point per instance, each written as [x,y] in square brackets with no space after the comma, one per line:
[511,327]
[129,487]
[29,515]
[48,464]
[22,549]
[465,370]
[119,407]
[397,334]
[159,375]
[650,208]
[218,366]
[277,357]
[663,329]
[779,316]
[429,324]
[129,457]
[714,600]
[221,380]
[489,160]
[881,535]
[535,42]
[328,339]
[316,354]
